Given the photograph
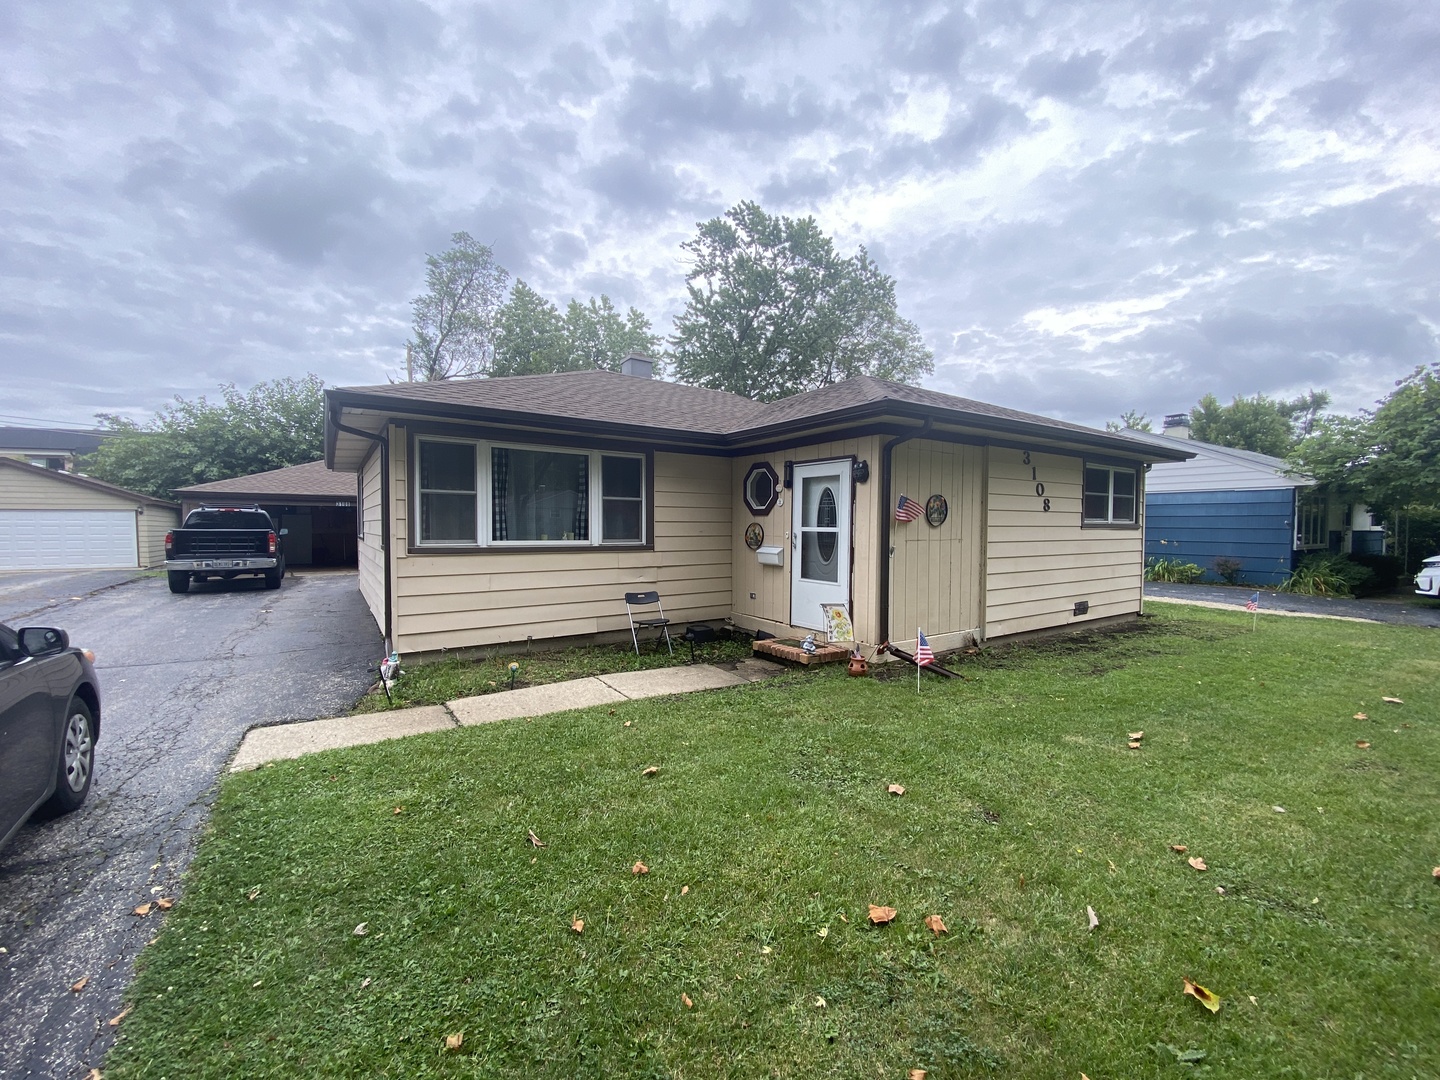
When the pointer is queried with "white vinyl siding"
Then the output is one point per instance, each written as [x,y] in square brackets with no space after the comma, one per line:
[1040,562]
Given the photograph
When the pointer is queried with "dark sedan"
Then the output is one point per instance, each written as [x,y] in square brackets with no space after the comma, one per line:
[49,724]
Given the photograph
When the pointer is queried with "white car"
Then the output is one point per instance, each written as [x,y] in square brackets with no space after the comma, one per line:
[1427,581]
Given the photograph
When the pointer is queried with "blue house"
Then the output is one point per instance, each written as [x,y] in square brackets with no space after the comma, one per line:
[1235,504]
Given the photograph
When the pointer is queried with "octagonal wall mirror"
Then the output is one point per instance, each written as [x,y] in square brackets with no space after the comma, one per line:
[762,488]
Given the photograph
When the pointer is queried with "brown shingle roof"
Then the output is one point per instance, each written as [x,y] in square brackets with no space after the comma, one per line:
[312,480]
[637,406]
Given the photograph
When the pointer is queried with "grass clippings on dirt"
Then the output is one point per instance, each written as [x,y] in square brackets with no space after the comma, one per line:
[768,831]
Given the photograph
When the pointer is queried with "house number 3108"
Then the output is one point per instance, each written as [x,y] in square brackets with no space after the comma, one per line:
[1039,485]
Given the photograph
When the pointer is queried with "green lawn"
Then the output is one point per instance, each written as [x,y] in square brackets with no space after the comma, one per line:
[768,831]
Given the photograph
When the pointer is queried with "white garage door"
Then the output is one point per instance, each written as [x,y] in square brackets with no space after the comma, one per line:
[67,539]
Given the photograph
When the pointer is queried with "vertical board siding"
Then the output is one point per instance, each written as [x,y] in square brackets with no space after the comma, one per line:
[449,601]
[371,556]
[1039,563]
[935,579]
[770,609]
[1255,527]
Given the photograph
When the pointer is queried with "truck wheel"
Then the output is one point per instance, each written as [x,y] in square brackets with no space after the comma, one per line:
[179,580]
[77,759]
[272,578]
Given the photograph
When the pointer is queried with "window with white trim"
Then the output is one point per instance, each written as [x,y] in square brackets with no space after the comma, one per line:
[1110,496]
[482,494]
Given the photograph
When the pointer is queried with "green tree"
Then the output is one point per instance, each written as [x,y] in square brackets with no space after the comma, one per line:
[1261,424]
[774,310]
[269,426]
[596,336]
[1130,421]
[1389,457]
[454,321]
[530,335]
[534,338]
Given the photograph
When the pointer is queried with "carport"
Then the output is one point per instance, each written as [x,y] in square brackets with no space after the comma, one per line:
[52,520]
[316,505]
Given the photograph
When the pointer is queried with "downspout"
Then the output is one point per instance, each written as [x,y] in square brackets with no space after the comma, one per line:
[886,517]
[384,444]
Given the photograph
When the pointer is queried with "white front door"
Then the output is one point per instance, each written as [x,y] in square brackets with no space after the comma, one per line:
[819,541]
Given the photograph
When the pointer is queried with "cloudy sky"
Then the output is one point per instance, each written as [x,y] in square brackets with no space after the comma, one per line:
[1087,208]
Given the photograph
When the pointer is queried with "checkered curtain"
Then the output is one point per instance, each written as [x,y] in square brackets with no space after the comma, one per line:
[500,486]
[582,501]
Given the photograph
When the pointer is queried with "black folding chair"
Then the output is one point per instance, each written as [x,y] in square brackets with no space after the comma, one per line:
[659,622]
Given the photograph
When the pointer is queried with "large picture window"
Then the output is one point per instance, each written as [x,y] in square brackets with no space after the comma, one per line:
[487,494]
[1110,496]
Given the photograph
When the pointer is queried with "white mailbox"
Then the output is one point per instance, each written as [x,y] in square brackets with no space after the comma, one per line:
[771,556]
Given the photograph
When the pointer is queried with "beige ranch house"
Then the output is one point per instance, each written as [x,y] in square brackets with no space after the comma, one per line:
[501,511]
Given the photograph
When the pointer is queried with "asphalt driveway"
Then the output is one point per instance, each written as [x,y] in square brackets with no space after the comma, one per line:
[1403,608]
[182,678]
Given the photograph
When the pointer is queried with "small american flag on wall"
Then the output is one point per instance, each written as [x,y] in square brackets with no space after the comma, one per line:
[907,509]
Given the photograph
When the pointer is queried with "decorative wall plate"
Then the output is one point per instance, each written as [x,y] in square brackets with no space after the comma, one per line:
[754,535]
[936,510]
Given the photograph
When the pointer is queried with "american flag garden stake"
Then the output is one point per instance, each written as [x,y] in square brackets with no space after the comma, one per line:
[1253,606]
[924,655]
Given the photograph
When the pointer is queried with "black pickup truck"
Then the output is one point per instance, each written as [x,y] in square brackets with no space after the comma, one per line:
[224,542]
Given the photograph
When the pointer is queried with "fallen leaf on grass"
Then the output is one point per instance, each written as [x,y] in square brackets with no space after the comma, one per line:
[361,930]
[819,1002]
[895,789]
[1278,809]
[916,1074]
[1393,700]
[1200,994]
[165,903]
[685,998]
[253,894]
[94,1074]
[398,810]
[365,982]
[1220,890]
[578,926]
[1362,744]
[115,1020]
[1133,744]
[1137,734]
[1197,862]
[684,889]
[823,933]
[936,925]
[454,1042]
[881,915]
[1090,914]
[843,918]
[1361,716]
[639,868]
[535,841]
[1179,849]
[1435,873]
[650,771]
[612,713]
[143,909]
[77,987]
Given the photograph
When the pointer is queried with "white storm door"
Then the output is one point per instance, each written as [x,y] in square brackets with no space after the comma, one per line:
[819,541]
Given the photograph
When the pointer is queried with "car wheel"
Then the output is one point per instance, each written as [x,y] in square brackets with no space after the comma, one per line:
[272,578]
[77,759]
[179,580]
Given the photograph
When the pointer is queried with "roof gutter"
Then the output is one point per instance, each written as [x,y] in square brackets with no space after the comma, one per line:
[886,512]
[383,442]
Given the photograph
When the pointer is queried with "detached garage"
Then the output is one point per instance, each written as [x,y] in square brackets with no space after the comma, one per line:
[53,520]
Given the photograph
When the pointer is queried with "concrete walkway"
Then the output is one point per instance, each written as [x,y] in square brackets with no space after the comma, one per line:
[264,744]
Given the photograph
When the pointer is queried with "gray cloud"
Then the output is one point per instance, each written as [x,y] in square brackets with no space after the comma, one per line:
[1087,207]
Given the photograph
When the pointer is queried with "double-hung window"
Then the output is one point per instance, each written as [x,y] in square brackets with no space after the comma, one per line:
[481,494]
[1110,496]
